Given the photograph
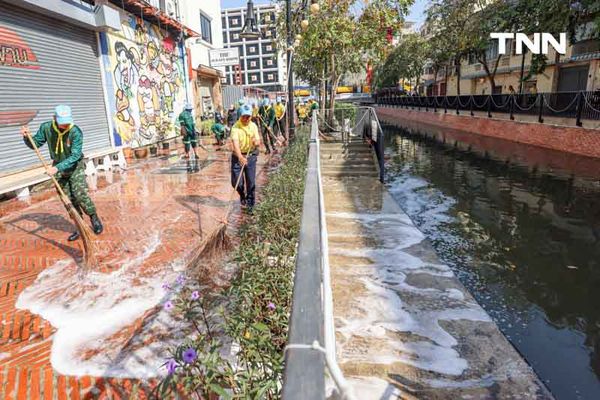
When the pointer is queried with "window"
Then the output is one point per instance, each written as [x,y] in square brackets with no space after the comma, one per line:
[254,78]
[253,63]
[205,27]
[270,77]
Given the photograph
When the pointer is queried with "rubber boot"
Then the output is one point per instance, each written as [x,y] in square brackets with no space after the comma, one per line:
[74,236]
[96,224]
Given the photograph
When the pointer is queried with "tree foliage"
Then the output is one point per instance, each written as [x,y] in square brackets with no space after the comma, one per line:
[341,38]
[406,61]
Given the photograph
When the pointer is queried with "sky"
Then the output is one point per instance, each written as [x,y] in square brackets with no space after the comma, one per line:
[416,11]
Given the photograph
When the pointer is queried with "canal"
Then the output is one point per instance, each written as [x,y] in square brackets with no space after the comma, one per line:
[525,242]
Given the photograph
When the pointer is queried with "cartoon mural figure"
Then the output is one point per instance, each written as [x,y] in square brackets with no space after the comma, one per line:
[147,76]
[168,83]
[148,102]
[126,72]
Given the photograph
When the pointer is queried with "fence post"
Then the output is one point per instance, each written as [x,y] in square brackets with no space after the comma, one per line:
[490,106]
[471,101]
[579,109]
[457,104]
[540,99]
[435,104]
[512,107]
[426,105]
[445,104]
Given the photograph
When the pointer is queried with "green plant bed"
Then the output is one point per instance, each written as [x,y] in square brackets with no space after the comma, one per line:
[258,305]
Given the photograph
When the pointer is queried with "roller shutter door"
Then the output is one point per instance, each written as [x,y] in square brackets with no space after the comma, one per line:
[45,62]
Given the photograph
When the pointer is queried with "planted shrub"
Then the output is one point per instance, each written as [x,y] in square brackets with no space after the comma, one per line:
[251,315]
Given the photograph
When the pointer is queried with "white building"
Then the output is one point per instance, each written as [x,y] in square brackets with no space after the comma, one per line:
[261,65]
[203,17]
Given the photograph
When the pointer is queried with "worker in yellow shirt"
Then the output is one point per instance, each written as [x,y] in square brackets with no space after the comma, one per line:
[245,141]
[302,113]
[279,117]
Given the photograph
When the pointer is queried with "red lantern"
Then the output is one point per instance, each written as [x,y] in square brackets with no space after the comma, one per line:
[389,35]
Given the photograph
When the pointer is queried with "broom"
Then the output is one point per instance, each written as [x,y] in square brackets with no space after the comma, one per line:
[89,259]
[218,241]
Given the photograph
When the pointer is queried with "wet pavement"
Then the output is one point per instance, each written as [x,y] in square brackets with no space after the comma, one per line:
[405,326]
[104,334]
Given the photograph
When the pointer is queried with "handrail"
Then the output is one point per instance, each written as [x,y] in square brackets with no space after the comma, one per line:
[574,105]
[312,303]
[304,374]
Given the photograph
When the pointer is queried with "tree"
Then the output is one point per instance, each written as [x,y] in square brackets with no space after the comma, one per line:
[342,38]
[406,61]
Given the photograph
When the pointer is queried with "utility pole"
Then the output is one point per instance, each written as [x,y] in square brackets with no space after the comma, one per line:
[290,105]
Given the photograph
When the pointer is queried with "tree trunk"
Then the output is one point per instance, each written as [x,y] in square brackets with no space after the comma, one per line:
[457,65]
[332,90]
[490,75]
[521,83]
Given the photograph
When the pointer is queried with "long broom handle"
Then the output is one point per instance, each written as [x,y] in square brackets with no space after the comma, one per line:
[39,154]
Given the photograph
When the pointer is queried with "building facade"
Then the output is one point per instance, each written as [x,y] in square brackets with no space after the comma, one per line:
[126,71]
[203,17]
[261,65]
[48,56]
[577,70]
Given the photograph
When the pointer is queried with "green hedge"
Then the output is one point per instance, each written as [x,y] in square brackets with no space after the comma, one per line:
[258,301]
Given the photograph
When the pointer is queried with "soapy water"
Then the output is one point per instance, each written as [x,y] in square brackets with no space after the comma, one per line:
[389,304]
[95,316]
[524,243]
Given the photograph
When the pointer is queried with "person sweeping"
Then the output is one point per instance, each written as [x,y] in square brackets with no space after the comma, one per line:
[218,129]
[188,131]
[266,118]
[245,143]
[65,145]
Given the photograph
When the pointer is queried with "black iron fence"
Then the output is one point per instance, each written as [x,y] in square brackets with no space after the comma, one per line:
[574,105]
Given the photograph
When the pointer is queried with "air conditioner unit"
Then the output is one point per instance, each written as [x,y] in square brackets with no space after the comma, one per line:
[169,7]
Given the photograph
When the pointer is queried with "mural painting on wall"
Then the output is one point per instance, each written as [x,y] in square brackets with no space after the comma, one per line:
[147,83]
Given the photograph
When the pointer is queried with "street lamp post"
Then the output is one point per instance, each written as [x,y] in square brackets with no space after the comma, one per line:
[290,106]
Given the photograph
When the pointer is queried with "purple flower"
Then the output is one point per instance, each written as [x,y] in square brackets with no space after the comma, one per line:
[180,279]
[169,305]
[171,366]
[195,295]
[166,286]
[189,355]
[271,306]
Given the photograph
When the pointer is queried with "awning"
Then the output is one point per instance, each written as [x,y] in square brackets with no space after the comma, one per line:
[154,15]
[203,70]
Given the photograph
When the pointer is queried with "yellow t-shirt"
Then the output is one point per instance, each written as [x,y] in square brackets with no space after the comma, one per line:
[302,111]
[279,110]
[244,135]
[254,112]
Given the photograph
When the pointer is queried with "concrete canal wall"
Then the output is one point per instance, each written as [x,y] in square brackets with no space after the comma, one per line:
[406,328]
[565,139]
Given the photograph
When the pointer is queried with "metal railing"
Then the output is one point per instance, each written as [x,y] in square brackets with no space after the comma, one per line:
[367,123]
[311,320]
[572,105]
[304,375]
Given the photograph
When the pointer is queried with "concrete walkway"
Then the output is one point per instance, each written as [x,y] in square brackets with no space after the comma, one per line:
[405,326]
[105,334]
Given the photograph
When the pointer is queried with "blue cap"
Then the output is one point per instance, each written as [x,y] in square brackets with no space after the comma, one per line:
[188,106]
[266,102]
[278,99]
[241,102]
[246,110]
[63,115]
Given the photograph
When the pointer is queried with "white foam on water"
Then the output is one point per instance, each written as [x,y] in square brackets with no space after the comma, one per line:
[90,314]
[382,314]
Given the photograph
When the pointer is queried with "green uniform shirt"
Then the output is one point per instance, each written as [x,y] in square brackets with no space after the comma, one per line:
[267,115]
[66,148]
[187,121]
[218,129]
[314,106]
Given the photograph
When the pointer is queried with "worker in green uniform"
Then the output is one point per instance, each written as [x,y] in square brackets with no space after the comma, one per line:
[188,131]
[266,122]
[219,130]
[65,145]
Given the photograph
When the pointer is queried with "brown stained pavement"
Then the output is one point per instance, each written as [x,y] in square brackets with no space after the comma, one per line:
[154,198]
[405,326]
